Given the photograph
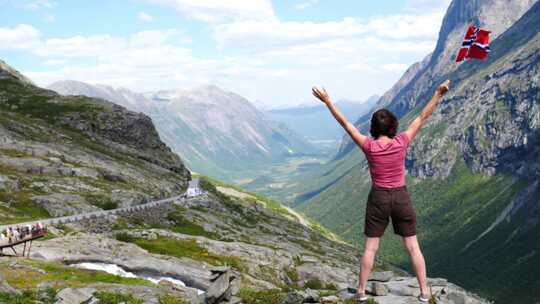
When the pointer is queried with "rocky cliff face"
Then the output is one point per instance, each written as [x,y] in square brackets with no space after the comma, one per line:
[215,131]
[417,85]
[63,155]
[129,132]
[473,168]
[492,115]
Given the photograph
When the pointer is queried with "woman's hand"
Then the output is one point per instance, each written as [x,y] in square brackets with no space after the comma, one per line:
[443,88]
[322,95]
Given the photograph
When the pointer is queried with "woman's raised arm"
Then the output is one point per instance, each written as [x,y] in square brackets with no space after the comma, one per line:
[353,132]
[419,121]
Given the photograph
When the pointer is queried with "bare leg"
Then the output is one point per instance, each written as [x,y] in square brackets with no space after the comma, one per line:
[368,258]
[418,262]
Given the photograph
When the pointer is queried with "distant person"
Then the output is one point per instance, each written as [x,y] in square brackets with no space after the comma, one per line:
[388,196]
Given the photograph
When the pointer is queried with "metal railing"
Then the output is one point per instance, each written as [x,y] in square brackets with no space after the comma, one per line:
[103,213]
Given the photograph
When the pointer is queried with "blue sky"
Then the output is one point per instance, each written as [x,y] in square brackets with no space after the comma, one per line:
[271,52]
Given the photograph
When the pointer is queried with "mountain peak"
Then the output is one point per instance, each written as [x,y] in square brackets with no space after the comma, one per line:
[210,91]
[208,87]
[200,92]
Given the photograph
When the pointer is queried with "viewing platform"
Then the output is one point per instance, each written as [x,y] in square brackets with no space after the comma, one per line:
[21,235]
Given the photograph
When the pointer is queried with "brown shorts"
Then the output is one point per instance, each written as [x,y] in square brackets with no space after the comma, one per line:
[386,203]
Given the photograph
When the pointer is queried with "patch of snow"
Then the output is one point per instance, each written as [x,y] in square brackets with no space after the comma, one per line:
[108,268]
[117,270]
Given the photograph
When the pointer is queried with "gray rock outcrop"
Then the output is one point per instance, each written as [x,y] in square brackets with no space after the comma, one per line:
[76,296]
[78,154]
[224,287]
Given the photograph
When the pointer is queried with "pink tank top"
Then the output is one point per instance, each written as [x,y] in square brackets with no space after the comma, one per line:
[387,161]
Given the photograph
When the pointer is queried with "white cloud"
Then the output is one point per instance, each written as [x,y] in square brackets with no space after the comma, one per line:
[222,10]
[147,59]
[49,18]
[397,68]
[306,4]
[155,37]
[39,4]
[360,67]
[54,62]
[103,47]
[274,33]
[145,17]
[427,6]
[351,56]
[404,26]
[367,47]
[80,46]
[22,36]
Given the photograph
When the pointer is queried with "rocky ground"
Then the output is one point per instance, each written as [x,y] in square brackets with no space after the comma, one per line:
[65,178]
[236,250]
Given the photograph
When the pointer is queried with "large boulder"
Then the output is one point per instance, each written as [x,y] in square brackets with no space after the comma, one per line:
[225,285]
[384,276]
[75,296]
[216,290]
[293,297]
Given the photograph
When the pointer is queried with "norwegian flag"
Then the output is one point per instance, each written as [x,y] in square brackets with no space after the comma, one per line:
[475,45]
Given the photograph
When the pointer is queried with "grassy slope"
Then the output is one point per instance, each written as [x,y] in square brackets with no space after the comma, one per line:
[503,264]
[273,205]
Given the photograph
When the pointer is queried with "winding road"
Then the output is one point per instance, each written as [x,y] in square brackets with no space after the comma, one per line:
[193,187]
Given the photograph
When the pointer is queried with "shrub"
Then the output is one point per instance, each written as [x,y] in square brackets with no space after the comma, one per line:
[270,296]
[292,274]
[369,301]
[102,201]
[168,299]
[26,297]
[48,295]
[124,237]
[116,298]
[331,286]
[314,283]
[182,225]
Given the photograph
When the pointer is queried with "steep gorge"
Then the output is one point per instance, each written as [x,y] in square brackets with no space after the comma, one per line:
[217,133]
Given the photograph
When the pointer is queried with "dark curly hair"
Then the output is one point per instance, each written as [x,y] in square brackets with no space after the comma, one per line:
[383,122]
